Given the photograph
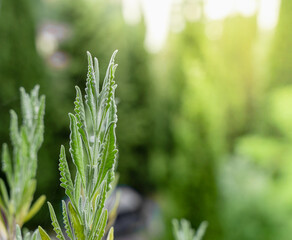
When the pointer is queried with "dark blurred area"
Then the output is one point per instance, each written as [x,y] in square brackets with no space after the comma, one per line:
[204,106]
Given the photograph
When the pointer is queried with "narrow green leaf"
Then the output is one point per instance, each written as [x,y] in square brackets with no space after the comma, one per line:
[34,95]
[43,234]
[26,108]
[4,193]
[108,102]
[66,220]
[39,129]
[55,223]
[98,213]
[35,208]
[77,190]
[110,235]
[91,94]
[27,236]
[107,75]
[7,164]
[175,228]
[108,158]
[14,133]
[201,231]
[96,72]
[3,207]
[18,233]
[188,232]
[101,230]
[81,121]
[25,155]
[66,181]
[26,197]
[76,149]
[79,108]
[35,235]
[76,222]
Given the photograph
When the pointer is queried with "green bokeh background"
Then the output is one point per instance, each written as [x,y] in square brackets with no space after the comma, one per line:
[205,124]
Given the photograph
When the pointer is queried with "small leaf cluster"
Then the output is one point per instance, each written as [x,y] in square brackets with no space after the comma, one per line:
[20,166]
[28,236]
[93,152]
[182,230]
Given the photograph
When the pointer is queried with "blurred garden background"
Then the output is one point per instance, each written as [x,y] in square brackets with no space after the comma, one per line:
[204,105]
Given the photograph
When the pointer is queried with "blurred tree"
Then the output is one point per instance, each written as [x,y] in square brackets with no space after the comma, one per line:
[189,131]
[253,181]
[20,64]
[235,76]
[281,71]
[280,76]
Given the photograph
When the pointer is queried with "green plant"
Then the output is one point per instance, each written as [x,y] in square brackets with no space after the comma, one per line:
[28,236]
[183,231]
[20,169]
[93,152]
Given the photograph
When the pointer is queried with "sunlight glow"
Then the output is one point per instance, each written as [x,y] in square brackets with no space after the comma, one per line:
[216,10]
[160,16]
[157,16]
[246,8]
[268,14]
[131,11]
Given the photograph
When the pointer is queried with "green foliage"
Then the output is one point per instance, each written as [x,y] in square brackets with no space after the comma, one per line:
[19,61]
[254,182]
[93,152]
[189,132]
[20,169]
[182,230]
[280,59]
[28,236]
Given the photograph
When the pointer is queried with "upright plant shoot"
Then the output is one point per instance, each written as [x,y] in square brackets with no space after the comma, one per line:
[93,152]
[20,167]
[182,230]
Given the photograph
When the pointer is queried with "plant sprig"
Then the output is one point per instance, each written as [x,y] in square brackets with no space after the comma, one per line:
[182,230]
[20,169]
[93,152]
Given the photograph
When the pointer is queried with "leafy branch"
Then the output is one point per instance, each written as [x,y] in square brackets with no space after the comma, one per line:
[93,152]
[20,169]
